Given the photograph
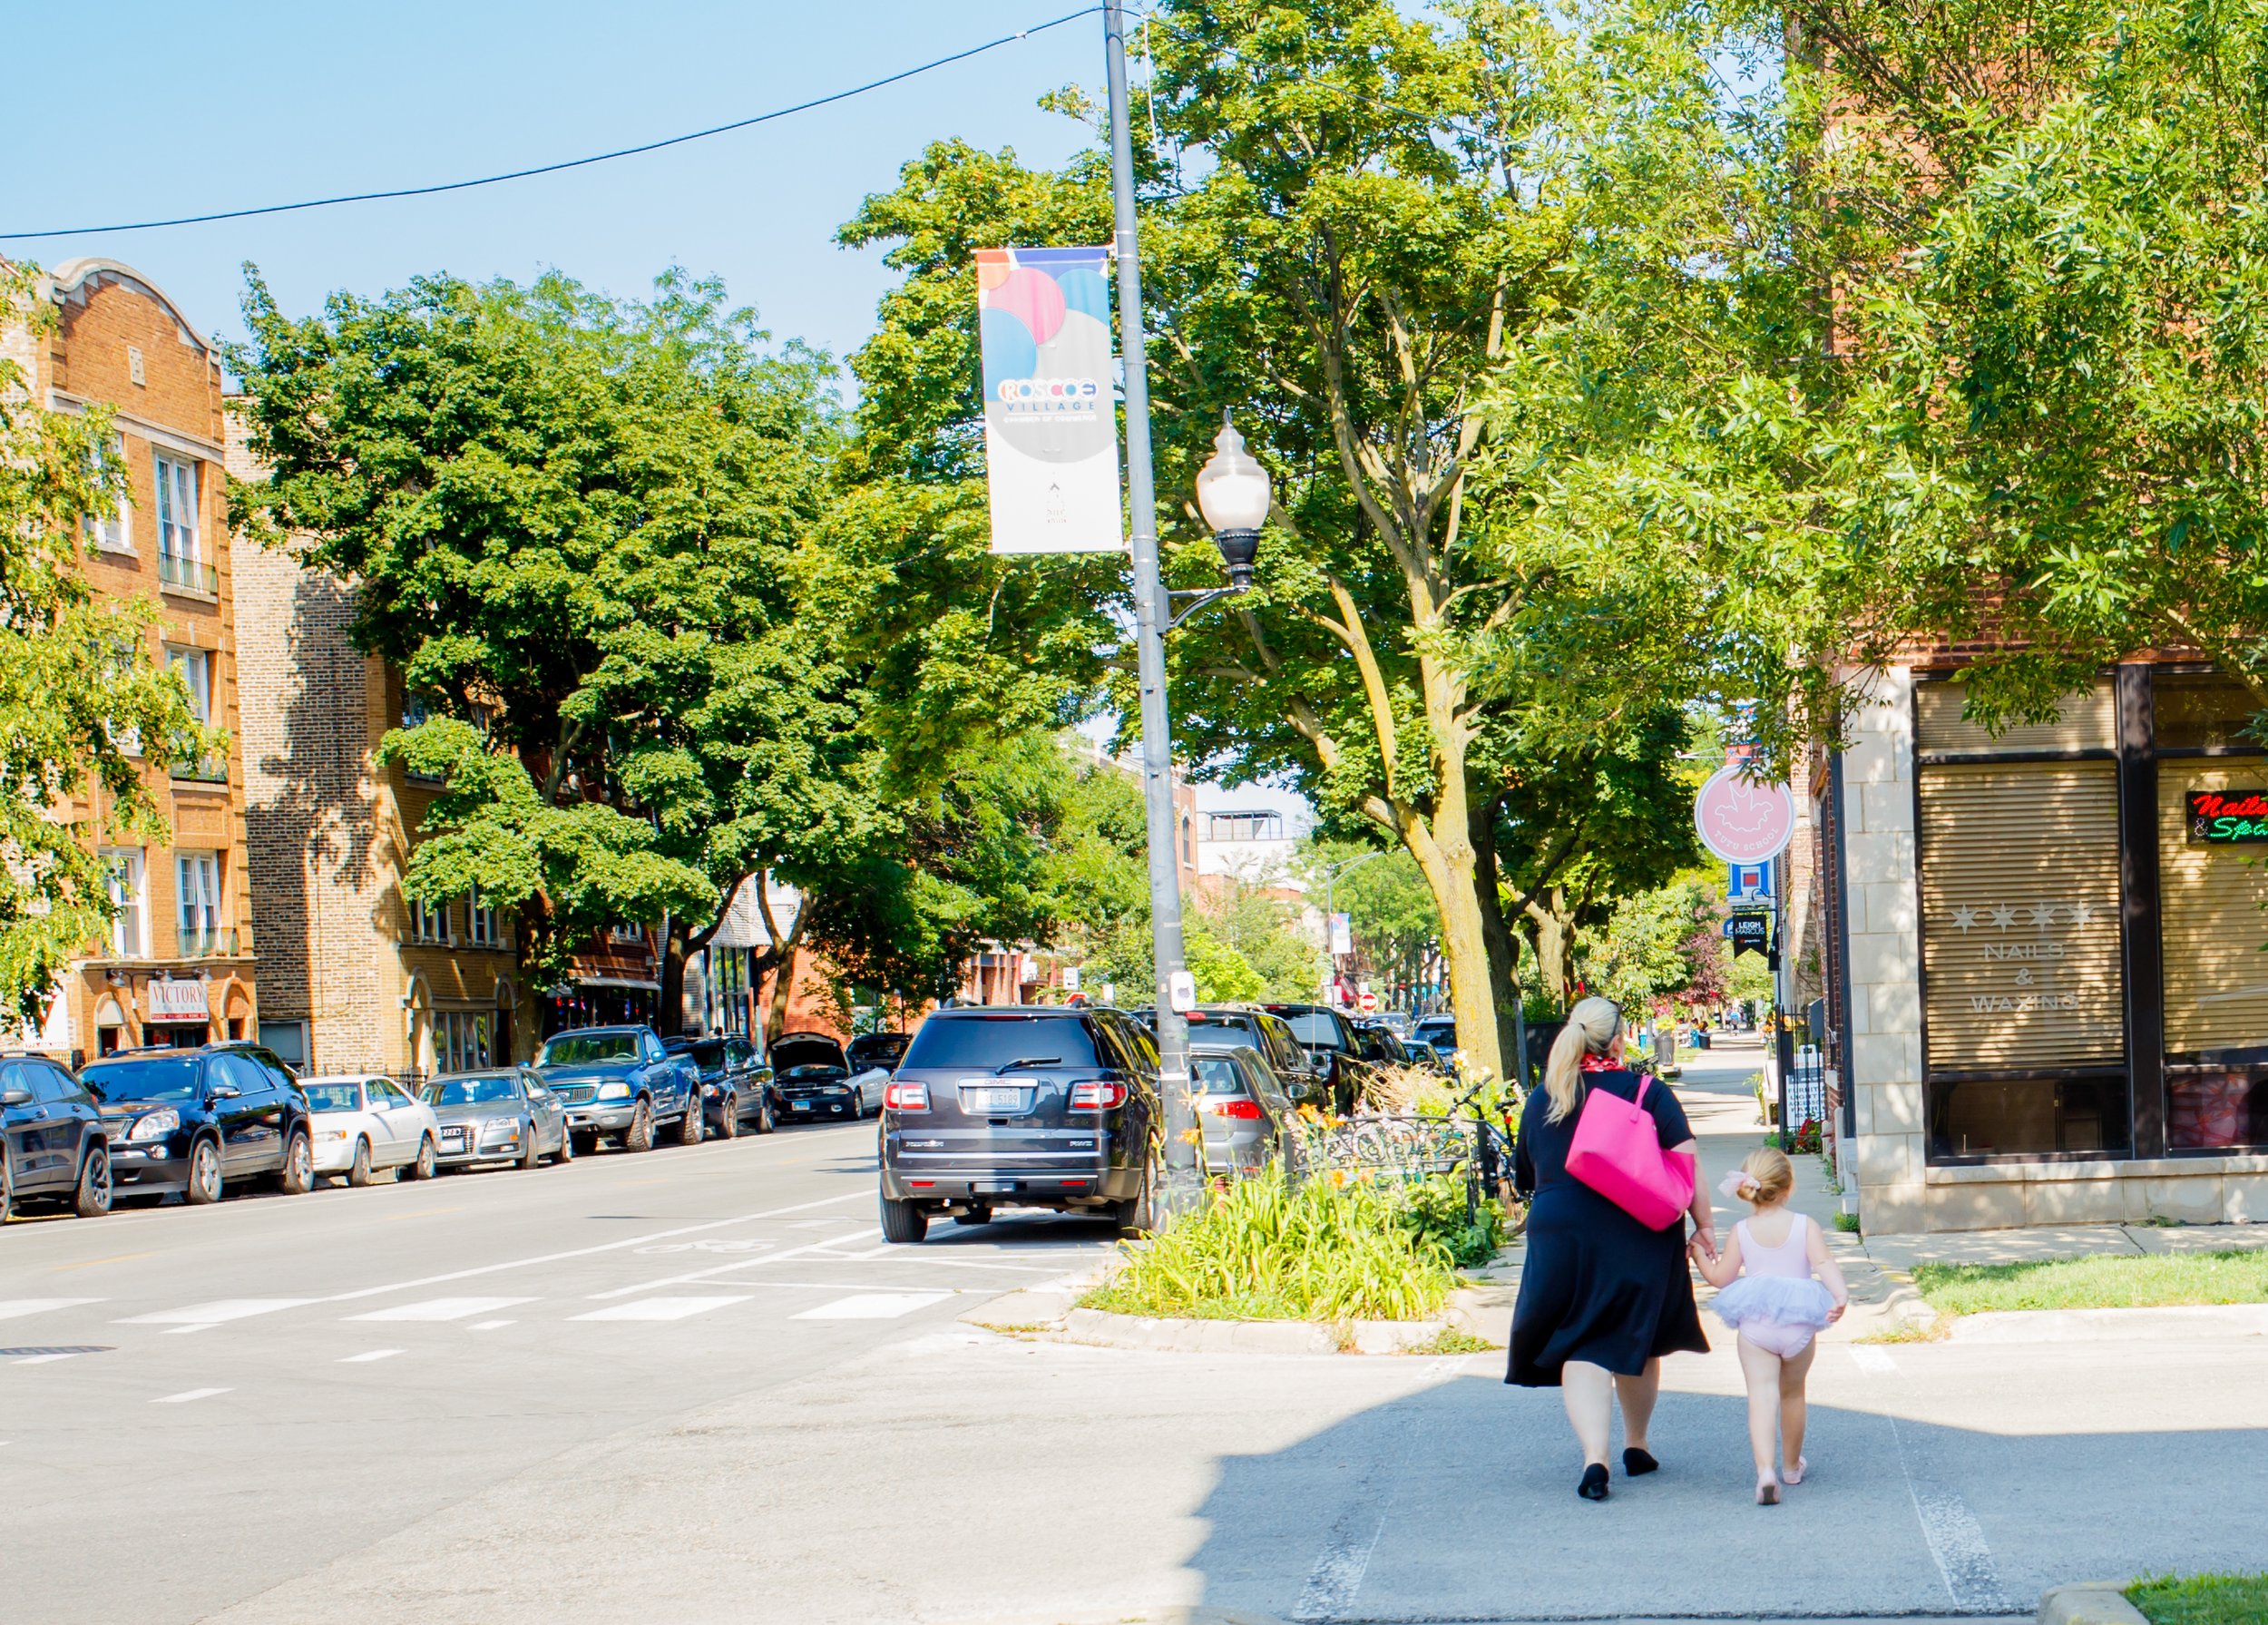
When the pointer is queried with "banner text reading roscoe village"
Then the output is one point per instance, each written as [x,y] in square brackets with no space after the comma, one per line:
[1051,431]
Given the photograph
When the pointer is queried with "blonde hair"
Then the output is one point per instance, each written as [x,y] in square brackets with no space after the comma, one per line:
[1766,1177]
[1590,1027]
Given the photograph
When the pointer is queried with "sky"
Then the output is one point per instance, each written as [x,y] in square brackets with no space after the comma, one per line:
[148,110]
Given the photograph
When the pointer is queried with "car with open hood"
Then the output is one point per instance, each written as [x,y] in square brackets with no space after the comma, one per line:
[814,1075]
[498,1114]
[619,1083]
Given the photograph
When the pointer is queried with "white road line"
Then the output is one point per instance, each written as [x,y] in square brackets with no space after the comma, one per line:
[660,1308]
[177,1331]
[213,1314]
[444,1308]
[869,1286]
[584,1252]
[14,1308]
[1956,1541]
[42,1359]
[872,1306]
[1338,1571]
[192,1393]
[489,1325]
[376,1353]
[717,1269]
[1876,1361]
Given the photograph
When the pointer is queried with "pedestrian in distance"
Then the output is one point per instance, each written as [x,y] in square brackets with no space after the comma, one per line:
[1767,1293]
[1603,1296]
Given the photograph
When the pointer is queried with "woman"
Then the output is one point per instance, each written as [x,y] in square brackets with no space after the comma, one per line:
[1601,1296]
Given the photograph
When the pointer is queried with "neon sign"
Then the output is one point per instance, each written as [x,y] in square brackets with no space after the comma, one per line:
[2226,817]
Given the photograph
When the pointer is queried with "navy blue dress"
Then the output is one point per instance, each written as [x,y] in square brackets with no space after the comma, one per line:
[1597,1285]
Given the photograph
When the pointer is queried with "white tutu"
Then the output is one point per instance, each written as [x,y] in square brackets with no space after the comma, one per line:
[1776,1312]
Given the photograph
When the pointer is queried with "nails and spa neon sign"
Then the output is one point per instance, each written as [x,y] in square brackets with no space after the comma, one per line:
[2222,817]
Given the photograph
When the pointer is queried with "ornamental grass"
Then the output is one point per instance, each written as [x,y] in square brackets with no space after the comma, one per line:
[1264,1249]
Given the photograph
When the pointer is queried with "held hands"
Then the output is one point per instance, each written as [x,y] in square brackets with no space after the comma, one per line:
[1835,1313]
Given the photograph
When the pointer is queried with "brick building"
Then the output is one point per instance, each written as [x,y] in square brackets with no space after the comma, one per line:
[178,967]
[358,978]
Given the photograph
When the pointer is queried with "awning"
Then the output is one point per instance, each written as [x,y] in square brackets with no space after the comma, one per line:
[626,981]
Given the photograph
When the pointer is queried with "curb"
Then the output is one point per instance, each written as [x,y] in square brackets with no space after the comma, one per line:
[2088,1602]
[2111,1326]
[1247,1336]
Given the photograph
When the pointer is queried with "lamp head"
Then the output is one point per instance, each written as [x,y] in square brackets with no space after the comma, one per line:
[1234,495]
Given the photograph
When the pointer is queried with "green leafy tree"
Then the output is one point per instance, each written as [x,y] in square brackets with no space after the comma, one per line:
[77,687]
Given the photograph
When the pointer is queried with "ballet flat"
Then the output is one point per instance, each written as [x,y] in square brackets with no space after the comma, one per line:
[1594,1485]
[1768,1495]
[1795,1477]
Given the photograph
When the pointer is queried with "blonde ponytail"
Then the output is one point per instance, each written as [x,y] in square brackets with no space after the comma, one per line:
[1590,1027]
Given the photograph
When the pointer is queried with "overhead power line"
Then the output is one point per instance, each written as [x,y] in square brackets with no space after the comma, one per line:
[570,163]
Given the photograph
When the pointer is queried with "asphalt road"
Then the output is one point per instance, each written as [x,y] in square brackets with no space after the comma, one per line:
[692,1386]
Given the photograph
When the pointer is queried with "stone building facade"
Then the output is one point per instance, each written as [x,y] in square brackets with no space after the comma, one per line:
[179,966]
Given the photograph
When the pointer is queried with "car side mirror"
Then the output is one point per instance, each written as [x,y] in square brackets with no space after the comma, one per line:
[223,1092]
[15,1097]
[1297,1091]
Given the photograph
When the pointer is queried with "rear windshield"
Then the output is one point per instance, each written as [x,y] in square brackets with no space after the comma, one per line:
[707,1053]
[582,1049]
[990,1042]
[1318,1029]
[164,1078]
[333,1097]
[1225,1029]
[1216,1075]
[470,1091]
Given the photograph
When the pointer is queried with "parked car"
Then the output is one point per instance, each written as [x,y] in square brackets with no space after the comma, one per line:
[816,1078]
[1051,1107]
[364,1123]
[1242,1107]
[1381,1047]
[870,1050]
[620,1081]
[1440,1032]
[1255,1028]
[53,1144]
[1328,1037]
[736,1089]
[504,1114]
[198,1121]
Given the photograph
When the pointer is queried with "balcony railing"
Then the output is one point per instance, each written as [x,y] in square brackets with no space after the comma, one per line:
[193,575]
[207,942]
[210,769]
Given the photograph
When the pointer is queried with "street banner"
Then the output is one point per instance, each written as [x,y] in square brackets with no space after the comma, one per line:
[1051,427]
[1743,821]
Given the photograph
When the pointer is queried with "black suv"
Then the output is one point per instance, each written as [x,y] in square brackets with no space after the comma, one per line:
[1253,1028]
[737,1088]
[53,1146]
[1331,1046]
[1030,1107]
[195,1121]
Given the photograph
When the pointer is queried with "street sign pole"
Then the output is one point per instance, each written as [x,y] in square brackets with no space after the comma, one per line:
[1150,619]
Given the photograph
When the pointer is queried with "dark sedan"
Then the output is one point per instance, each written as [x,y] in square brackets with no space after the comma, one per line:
[736,1089]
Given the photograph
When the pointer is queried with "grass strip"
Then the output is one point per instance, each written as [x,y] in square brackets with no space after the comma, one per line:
[2202,1599]
[2118,1282]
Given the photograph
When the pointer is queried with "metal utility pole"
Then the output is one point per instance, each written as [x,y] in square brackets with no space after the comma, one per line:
[1150,621]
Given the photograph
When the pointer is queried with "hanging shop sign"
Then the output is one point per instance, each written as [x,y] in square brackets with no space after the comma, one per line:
[2228,817]
[1747,883]
[177,1001]
[1749,934]
[1743,821]
[1051,427]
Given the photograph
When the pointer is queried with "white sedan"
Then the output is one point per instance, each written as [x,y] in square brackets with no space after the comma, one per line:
[364,1123]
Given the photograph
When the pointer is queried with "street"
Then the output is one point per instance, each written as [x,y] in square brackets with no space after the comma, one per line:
[692,1385]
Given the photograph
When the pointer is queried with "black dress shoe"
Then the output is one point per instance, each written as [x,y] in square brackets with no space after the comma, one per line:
[1635,1464]
[1594,1485]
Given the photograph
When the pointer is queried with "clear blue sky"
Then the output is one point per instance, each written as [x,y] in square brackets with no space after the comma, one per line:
[141,110]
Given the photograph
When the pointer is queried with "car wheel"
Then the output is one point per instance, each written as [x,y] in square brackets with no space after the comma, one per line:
[296,1176]
[93,1197]
[973,1215]
[566,1153]
[639,1136]
[530,1156]
[7,1186]
[359,1171]
[765,1121]
[729,1119]
[1135,1215]
[691,1124]
[902,1221]
[428,1160]
[204,1174]
[586,1144]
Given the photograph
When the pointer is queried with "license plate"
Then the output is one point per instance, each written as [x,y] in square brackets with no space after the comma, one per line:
[995,1188]
[991,1100]
[799,1105]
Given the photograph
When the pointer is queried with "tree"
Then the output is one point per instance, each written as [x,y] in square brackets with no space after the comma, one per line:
[580,519]
[1655,944]
[81,706]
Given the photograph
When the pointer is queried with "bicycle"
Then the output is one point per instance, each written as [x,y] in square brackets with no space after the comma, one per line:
[1489,1168]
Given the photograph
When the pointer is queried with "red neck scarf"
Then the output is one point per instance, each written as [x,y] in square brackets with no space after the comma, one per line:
[1601,1063]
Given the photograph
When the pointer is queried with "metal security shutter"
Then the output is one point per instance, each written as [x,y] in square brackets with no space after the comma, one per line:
[2087,721]
[2211,922]
[2020,915]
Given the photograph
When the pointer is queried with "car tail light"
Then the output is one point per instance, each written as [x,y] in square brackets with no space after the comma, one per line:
[1097,1094]
[906,1097]
[1244,1110]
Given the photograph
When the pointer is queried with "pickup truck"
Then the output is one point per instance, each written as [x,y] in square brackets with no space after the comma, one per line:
[619,1083]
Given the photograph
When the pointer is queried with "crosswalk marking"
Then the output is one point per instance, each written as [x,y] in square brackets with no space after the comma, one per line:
[1871,1359]
[192,1393]
[376,1353]
[489,1325]
[444,1308]
[872,1306]
[15,1308]
[660,1308]
[213,1314]
[42,1359]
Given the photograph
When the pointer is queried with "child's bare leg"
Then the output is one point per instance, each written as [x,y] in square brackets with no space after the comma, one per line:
[1637,1395]
[1761,1366]
[1794,1414]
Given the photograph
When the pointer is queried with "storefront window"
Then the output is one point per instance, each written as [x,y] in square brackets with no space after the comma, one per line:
[2021,958]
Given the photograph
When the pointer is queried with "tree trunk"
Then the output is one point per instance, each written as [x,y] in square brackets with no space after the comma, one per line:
[782,986]
[669,1016]
[1552,946]
[1449,869]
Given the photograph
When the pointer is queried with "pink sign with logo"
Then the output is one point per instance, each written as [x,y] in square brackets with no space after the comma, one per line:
[1743,821]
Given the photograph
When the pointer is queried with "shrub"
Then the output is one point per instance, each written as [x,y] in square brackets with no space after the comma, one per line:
[1433,1210]
[1261,1250]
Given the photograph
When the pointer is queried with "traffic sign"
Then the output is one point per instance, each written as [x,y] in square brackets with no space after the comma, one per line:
[1366,1002]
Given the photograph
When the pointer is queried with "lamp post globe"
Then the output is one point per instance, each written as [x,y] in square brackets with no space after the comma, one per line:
[1234,495]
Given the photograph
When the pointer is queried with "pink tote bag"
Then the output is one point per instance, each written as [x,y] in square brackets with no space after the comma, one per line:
[1618,1152]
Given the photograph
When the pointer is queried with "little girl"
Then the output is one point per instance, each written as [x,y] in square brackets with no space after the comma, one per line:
[1766,1294]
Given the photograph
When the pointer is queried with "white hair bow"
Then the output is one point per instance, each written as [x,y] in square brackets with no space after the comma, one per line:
[1739,1184]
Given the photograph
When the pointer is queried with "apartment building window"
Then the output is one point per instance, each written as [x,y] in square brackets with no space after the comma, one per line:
[632,935]
[460,1041]
[480,920]
[180,552]
[197,889]
[194,667]
[130,931]
[112,533]
[428,922]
